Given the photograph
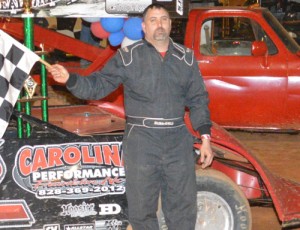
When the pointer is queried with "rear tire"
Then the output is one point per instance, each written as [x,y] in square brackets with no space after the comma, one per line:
[220,202]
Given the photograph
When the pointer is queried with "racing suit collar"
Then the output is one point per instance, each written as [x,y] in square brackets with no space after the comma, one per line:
[173,48]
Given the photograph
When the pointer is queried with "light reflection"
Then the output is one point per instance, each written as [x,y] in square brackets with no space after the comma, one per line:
[225,85]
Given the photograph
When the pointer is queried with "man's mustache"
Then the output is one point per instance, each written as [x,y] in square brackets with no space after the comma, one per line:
[160,29]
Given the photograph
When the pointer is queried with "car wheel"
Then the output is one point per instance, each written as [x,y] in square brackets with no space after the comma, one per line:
[220,202]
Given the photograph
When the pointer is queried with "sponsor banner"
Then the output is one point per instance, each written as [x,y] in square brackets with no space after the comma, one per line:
[70,171]
[77,185]
[88,8]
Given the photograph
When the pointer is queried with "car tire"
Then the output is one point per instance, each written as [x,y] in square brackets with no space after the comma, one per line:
[220,202]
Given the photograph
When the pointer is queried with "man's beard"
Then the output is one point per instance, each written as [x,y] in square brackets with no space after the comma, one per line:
[160,34]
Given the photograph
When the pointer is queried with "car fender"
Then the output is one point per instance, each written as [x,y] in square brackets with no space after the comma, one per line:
[283,192]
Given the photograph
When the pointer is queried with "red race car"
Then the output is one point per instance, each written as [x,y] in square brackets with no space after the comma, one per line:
[73,176]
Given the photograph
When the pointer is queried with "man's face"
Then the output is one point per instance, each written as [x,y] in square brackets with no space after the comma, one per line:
[157,25]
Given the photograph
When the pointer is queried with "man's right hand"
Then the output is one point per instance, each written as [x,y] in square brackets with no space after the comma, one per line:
[59,73]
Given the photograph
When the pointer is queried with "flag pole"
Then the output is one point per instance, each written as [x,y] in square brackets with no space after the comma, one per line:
[45,63]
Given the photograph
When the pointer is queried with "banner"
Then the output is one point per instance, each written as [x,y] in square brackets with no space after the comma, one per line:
[89,8]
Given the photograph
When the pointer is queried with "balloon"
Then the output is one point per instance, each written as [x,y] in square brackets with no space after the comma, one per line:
[126,42]
[112,25]
[116,38]
[91,19]
[133,28]
[98,31]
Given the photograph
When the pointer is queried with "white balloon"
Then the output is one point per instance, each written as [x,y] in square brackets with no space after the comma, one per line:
[91,19]
[126,42]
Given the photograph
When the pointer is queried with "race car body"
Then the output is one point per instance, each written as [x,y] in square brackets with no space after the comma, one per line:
[56,179]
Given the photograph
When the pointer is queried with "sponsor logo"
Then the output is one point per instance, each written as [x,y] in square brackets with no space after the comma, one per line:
[126,6]
[108,224]
[109,209]
[70,171]
[85,209]
[79,227]
[51,227]
[81,210]
[15,214]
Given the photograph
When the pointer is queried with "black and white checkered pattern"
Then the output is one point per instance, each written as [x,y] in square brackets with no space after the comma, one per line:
[16,61]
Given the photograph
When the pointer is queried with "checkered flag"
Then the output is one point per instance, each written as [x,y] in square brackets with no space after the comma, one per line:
[16,61]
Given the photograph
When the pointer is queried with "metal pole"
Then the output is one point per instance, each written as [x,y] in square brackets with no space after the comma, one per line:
[44,91]
[19,120]
[28,42]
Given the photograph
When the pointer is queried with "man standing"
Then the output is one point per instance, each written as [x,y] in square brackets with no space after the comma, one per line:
[160,78]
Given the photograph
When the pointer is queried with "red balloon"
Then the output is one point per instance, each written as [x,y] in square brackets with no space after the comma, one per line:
[98,30]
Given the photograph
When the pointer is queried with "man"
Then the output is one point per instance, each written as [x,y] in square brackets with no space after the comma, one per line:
[161,79]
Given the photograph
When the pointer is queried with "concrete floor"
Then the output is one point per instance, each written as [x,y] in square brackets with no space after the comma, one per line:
[281,154]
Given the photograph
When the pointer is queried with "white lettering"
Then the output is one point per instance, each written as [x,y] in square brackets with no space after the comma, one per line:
[78,174]
[109,209]
[163,123]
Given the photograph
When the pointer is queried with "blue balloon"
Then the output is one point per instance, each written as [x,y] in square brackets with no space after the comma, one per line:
[112,25]
[133,28]
[116,38]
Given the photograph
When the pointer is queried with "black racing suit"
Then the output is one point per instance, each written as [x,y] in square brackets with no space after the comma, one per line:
[158,152]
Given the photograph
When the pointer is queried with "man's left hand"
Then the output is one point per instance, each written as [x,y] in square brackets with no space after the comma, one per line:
[207,155]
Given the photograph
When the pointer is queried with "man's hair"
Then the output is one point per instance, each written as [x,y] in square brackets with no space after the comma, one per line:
[152,6]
